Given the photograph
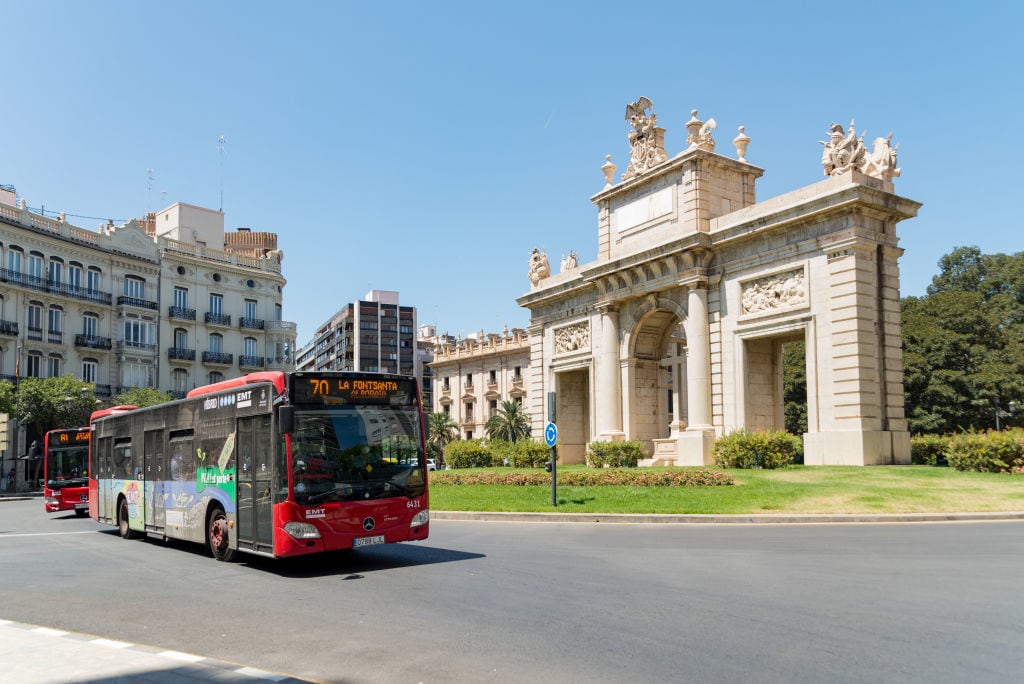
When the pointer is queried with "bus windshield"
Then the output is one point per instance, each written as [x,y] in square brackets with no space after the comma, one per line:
[355,453]
[66,466]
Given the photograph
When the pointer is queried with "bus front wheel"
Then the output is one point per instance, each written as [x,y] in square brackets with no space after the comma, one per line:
[123,528]
[218,537]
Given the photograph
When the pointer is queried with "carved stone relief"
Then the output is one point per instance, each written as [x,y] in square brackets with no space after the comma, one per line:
[777,291]
[575,337]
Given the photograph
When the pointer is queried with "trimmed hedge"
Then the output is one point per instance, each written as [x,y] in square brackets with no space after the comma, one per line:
[929,450]
[641,477]
[992,452]
[524,453]
[467,453]
[624,454]
[769,449]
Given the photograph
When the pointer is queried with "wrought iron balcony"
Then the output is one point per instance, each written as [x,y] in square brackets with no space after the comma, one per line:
[181,312]
[217,318]
[219,358]
[250,362]
[102,391]
[35,333]
[181,354]
[9,328]
[124,300]
[55,337]
[251,323]
[177,394]
[92,342]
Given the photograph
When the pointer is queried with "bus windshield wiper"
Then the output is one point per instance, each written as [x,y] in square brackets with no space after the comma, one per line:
[321,496]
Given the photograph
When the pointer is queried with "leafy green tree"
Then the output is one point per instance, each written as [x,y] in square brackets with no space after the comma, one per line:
[141,396]
[964,343]
[7,397]
[441,430]
[509,423]
[794,387]
[45,404]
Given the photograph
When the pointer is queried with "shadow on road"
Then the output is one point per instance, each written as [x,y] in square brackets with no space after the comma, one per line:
[350,563]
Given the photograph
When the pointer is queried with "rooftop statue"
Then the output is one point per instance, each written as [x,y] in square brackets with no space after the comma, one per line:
[539,267]
[646,139]
[844,151]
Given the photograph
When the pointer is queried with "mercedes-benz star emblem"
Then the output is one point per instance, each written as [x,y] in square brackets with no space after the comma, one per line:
[368,524]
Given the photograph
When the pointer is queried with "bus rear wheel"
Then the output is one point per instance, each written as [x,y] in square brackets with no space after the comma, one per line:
[123,528]
[218,537]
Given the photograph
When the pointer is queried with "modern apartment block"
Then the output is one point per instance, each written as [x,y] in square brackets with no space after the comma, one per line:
[168,301]
[375,334]
[473,376]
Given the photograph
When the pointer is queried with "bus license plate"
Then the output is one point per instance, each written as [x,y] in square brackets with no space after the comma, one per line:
[81,507]
[367,541]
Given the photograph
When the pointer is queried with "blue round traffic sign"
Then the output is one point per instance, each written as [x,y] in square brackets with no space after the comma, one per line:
[551,434]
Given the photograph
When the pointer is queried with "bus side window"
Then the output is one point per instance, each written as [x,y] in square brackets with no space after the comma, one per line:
[183,457]
[123,459]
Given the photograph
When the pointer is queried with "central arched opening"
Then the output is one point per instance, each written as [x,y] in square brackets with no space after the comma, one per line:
[656,372]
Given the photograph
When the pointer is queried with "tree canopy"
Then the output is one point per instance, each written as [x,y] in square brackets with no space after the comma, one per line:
[141,396]
[963,343]
[510,422]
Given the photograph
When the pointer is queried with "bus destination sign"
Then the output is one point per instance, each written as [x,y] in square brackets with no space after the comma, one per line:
[338,389]
[73,437]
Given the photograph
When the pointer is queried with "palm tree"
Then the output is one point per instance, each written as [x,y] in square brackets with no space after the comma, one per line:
[441,429]
[509,423]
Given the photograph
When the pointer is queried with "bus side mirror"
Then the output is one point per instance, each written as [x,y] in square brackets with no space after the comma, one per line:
[286,420]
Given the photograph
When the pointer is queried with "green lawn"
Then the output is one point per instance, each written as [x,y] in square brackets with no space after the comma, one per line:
[797,489]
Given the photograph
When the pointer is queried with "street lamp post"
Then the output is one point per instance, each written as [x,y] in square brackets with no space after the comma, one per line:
[1000,413]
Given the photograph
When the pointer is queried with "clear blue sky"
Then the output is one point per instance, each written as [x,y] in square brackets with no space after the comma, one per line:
[428,147]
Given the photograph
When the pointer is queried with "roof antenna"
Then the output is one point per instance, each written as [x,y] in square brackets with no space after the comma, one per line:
[220,149]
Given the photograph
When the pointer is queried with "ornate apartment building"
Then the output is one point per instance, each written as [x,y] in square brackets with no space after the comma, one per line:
[169,301]
[473,376]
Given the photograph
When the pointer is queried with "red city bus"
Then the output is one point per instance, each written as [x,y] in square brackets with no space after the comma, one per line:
[272,463]
[65,464]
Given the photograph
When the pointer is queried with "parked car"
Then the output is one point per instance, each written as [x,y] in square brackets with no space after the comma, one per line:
[431,464]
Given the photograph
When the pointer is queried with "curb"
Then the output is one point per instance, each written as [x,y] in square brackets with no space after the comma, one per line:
[715,519]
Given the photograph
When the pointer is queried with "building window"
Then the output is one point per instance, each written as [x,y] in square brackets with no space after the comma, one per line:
[54,366]
[90,325]
[216,343]
[136,375]
[277,312]
[469,410]
[469,381]
[249,346]
[138,333]
[35,266]
[447,384]
[469,434]
[180,380]
[56,272]
[134,286]
[14,260]
[74,276]
[250,308]
[93,280]
[493,407]
[492,377]
[447,409]
[181,297]
[55,320]
[34,365]
[89,370]
[215,376]
[35,319]
[216,304]
[180,338]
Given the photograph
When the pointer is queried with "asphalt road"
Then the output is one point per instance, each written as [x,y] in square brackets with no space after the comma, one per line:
[538,602]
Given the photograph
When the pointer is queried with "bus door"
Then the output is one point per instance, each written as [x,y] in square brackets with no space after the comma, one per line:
[152,479]
[253,446]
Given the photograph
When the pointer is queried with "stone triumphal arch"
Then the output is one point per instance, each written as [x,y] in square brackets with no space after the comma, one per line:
[674,335]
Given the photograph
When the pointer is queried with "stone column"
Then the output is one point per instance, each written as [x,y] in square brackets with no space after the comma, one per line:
[698,359]
[608,390]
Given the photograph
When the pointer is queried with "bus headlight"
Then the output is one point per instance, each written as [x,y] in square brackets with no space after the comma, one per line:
[51,501]
[302,530]
[421,518]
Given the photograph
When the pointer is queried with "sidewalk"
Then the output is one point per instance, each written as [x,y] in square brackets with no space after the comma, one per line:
[42,655]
